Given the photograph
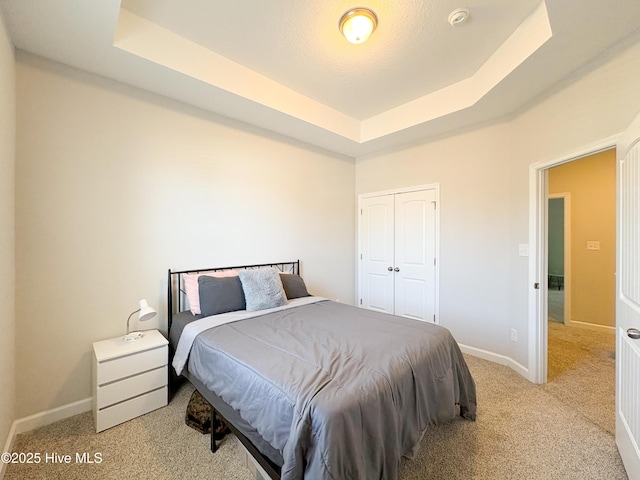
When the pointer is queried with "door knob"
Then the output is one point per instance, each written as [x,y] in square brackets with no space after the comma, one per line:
[396,269]
[633,333]
[390,269]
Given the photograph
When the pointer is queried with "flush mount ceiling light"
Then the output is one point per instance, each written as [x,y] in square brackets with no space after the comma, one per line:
[357,24]
[458,16]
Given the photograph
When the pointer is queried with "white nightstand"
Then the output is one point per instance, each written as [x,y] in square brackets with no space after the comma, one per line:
[129,378]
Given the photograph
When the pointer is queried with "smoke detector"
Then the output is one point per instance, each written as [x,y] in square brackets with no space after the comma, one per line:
[458,16]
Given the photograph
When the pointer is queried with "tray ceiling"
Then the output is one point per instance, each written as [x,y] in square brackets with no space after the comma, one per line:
[284,65]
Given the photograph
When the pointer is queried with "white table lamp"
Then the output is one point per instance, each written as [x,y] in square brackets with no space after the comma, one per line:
[145,312]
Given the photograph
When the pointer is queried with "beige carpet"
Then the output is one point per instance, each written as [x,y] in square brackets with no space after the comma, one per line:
[581,371]
[157,445]
[523,431]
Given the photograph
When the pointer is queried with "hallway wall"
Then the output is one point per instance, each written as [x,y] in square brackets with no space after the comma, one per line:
[592,184]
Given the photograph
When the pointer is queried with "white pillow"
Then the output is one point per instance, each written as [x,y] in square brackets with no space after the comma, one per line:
[262,288]
[191,286]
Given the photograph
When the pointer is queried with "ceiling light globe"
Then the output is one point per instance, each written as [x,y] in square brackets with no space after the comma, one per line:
[357,25]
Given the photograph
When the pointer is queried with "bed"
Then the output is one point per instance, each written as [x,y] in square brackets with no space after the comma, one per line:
[313,388]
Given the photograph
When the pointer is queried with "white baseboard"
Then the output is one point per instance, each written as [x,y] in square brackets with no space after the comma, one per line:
[41,419]
[496,358]
[8,445]
[592,326]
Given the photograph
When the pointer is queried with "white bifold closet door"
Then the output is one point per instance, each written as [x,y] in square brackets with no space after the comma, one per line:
[397,254]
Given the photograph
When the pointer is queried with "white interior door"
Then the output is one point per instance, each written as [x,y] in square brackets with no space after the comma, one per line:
[376,249]
[628,301]
[415,246]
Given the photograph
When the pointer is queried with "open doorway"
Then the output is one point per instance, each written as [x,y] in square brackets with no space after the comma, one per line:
[580,259]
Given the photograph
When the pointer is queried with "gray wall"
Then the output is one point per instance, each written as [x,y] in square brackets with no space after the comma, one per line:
[556,236]
[484,176]
[115,185]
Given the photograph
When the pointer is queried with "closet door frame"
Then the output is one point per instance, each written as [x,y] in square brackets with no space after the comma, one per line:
[436,188]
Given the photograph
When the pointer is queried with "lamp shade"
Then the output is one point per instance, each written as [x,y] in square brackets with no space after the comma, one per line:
[146,312]
[356,25]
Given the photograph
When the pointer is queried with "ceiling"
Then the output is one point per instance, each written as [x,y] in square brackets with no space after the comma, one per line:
[283,65]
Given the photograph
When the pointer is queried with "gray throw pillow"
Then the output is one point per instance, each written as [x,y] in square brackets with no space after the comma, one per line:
[262,288]
[294,286]
[220,295]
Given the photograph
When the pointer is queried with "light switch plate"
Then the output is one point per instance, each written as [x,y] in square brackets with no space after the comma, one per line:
[593,245]
[523,250]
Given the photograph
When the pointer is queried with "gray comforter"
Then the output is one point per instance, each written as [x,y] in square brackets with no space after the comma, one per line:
[342,392]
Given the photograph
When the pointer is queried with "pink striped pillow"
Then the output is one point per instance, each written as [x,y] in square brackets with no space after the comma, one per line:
[191,286]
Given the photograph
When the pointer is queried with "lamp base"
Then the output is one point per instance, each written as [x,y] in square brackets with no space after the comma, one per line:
[130,337]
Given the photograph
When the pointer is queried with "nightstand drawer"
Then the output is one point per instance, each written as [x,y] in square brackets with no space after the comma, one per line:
[131,387]
[111,370]
[120,413]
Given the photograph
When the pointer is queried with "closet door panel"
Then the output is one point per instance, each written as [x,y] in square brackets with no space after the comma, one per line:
[376,247]
[415,255]
[411,298]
